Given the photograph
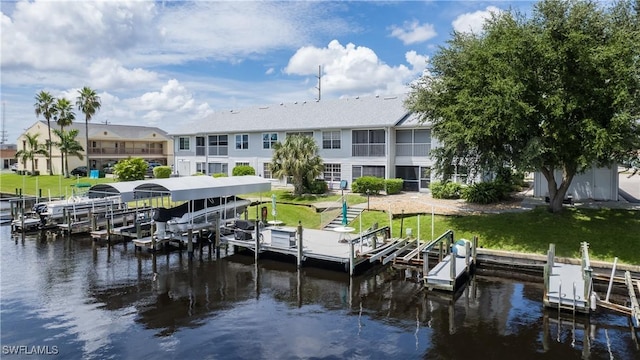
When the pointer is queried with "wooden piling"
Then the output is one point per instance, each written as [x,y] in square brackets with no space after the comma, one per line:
[300,247]
[351,260]
[217,237]
[108,229]
[153,236]
[190,243]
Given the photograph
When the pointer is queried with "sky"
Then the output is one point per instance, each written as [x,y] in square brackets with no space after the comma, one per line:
[172,63]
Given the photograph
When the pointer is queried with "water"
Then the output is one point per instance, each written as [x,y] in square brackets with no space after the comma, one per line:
[93,302]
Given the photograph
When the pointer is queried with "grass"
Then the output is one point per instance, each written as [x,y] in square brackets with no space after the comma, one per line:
[609,232]
[54,185]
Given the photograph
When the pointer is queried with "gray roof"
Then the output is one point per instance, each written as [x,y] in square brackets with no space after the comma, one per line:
[184,188]
[124,131]
[356,112]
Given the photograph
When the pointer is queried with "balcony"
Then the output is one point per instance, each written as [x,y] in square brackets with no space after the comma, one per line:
[124,151]
[413,149]
[368,150]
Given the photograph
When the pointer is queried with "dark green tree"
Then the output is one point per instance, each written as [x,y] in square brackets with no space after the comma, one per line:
[32,148]
[558,91]
[298,158]
[64,116]
[45,106]
[68,146]
[88,102]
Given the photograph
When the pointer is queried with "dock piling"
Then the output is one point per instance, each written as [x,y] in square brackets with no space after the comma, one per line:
[299,259]
[190,243]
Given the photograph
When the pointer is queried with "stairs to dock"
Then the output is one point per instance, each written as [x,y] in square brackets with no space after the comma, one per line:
[352,213]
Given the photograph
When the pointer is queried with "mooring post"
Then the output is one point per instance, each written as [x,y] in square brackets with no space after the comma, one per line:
[190,243]
[467,254]
[257,252]
[93,220]
[613,273]
[217,237]
[452,260]
[474,251]
[153,236]
[299,260]
[200,243]
[351,259]
[108,229]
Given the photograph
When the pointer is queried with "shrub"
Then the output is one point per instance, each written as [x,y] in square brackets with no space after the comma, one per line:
[371,183]
[445,190]
[394,186]
[162,172]
[318,186]
[130,169]
[487,192]
[219,175]
[242,170]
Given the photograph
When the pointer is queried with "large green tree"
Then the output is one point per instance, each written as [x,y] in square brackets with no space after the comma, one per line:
[298,158]
[45,106]
[64,116]
[31,149]
[557,91]
[88,102]
[68,146]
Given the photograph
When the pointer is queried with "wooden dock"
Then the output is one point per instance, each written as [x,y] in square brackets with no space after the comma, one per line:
[569,286]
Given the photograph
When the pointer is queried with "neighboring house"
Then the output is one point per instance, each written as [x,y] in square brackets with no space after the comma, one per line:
[373,136]
[108,144]
[595,183]
[8,155]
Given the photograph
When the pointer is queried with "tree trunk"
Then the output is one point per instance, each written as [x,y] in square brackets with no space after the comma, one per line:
[557,193]
[49,164]
[86,132]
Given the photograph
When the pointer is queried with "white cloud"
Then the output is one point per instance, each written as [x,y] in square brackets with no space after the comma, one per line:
[172,97]
[354,69]
[472,22]
[108,73]
[269,71]
[413,32]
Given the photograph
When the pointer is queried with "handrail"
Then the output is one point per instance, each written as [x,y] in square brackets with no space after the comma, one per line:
[336,207]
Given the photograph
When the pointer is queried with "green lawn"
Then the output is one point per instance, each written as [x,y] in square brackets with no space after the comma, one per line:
[53,185]
[610,233]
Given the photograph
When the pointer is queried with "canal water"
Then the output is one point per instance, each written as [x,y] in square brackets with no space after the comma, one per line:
[76,300]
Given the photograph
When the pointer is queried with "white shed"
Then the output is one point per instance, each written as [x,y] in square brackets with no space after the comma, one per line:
[595,184]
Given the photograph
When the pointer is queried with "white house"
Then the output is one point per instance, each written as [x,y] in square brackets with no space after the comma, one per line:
[357,137]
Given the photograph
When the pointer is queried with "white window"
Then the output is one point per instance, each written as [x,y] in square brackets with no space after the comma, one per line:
[268,140]
[331,139]
[242,164]
[242,142]
[218,145]
[332,172]
[201,167]
[218,168]
[359,171]
[183,143]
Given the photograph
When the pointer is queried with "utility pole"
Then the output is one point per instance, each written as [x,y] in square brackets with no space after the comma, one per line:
[319,82]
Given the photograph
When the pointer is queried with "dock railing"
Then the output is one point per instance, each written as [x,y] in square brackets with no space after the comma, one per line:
[442,249]
[332,211]
[587,271]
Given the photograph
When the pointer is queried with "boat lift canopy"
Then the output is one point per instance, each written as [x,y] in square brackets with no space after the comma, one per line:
[184,188]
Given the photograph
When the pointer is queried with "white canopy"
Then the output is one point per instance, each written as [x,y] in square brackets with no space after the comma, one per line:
[184,188]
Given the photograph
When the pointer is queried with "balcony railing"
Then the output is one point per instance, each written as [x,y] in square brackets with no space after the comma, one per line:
[368,150]
[125,151]
[413,149]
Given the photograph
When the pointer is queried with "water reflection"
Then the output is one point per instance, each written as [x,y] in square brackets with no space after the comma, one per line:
[110,301]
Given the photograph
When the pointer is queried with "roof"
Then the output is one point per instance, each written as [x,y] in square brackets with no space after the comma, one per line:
[184,188]
[121,131]
[356,112]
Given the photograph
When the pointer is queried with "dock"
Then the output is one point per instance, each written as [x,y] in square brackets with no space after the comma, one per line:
[324,245]
[569,286]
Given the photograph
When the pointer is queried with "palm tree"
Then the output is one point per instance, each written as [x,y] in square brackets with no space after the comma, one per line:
[68,146]
[88,102]
[31,149]
[297,157]
[45,106]
[64,117]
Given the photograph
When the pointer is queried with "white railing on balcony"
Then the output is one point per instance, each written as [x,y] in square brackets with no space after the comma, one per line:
[413,149]
[368,150]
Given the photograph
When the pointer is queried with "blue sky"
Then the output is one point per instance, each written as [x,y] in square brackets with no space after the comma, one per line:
[169,63]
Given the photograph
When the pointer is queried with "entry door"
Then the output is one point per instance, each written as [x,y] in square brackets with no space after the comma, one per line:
[184,168]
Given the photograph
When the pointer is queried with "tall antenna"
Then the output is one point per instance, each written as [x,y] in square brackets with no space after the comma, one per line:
[319,82]
[3,132]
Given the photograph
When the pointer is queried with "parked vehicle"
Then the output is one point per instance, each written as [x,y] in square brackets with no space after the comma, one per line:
[79,171]
[14,167]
